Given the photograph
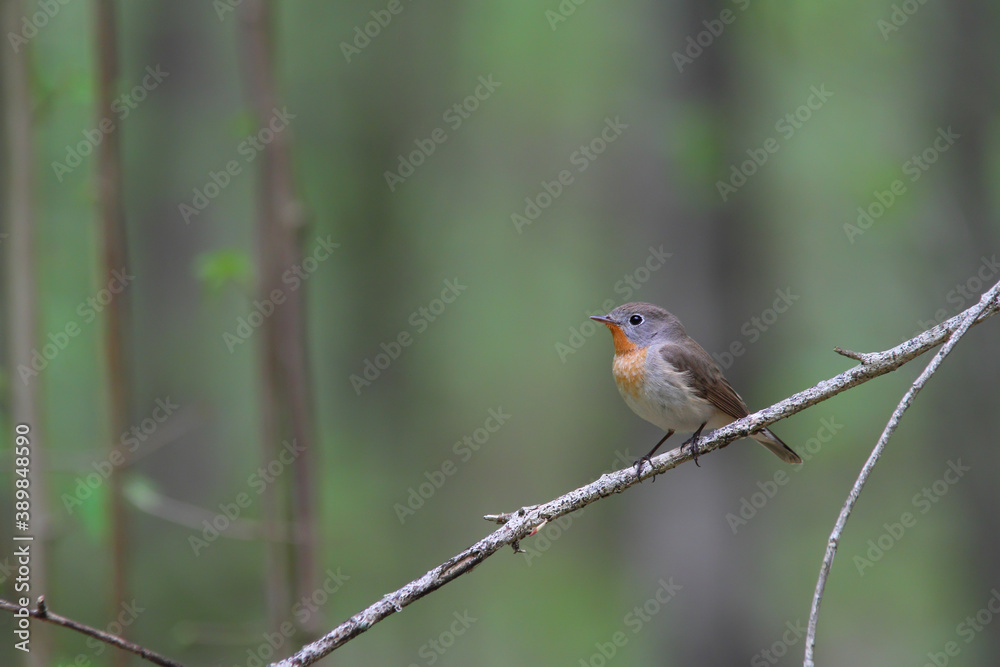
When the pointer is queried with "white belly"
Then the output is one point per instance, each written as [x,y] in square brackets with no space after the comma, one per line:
[672,405]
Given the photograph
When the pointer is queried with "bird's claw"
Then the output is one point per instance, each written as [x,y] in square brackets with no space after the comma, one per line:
[694,449]
[638,466]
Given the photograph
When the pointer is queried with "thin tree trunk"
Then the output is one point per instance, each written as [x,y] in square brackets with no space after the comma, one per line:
[287,403]
[22,313]
[116,330]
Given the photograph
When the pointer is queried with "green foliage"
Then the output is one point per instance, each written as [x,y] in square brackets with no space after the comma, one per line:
[221,268]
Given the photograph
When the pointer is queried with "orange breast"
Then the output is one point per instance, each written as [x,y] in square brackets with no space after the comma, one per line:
[630,370]
[629,365]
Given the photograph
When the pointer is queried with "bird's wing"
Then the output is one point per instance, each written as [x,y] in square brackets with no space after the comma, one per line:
[706,378]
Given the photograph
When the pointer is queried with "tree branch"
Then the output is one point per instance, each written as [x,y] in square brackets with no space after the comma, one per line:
[43,614]
[968,318]
[857,356]
[520,524]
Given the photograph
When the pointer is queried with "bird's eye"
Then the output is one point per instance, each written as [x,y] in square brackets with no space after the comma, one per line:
[635,320]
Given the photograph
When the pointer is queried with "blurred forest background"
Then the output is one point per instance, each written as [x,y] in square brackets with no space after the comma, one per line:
[441,193]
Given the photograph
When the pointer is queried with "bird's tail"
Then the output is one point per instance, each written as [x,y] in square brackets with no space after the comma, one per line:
[777,447]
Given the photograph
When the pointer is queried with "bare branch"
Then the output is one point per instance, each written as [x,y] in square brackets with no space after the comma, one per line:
[504,517]
[520,524]
[857,356]
[43,614]
[968,318]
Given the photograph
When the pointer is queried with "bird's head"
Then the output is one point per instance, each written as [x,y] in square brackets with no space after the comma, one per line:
[639,325]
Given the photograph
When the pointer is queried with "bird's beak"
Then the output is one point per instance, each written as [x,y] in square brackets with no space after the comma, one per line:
[602,318]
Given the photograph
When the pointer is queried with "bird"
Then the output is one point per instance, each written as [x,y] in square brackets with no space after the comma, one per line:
[669,380]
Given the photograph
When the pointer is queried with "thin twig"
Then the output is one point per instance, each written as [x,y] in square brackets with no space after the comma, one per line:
[504,517]
[968,318]
[857,356]
[193,517]
[521,523]
[43,614]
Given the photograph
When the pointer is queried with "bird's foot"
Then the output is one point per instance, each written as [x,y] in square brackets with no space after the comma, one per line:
[638,466]
[693,441]
[694,449]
